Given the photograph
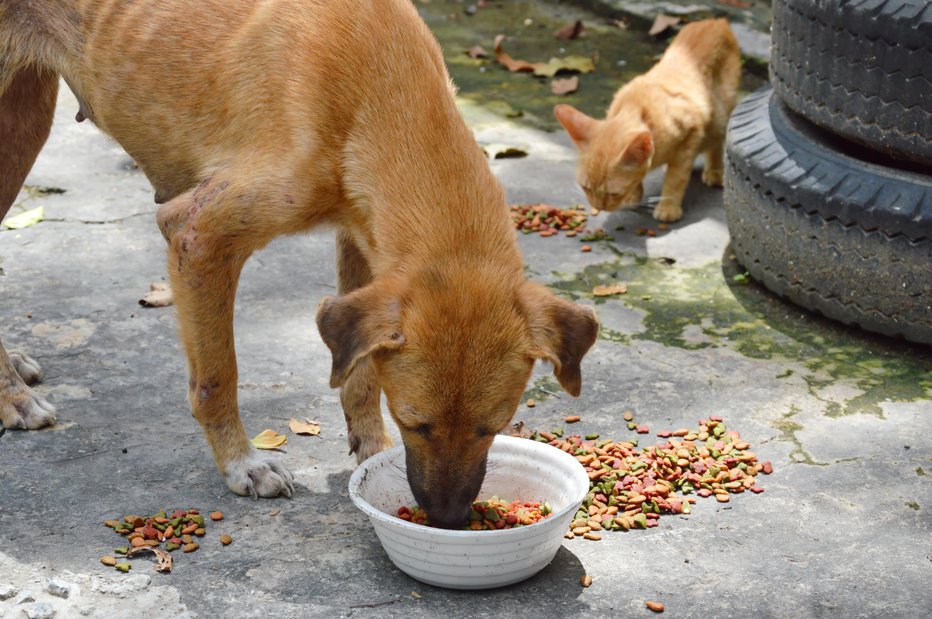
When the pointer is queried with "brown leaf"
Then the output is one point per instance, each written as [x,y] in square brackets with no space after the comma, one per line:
[570,31]
[306,427]
[662,22]
[520,430]
[606,291]
[510,63]
[159,295]
[477,51]
[163,559]
[565,86]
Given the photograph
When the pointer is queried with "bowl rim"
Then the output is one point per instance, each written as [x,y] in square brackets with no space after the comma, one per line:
[391,520]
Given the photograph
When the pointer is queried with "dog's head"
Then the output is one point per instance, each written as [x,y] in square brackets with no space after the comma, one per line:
[453,355]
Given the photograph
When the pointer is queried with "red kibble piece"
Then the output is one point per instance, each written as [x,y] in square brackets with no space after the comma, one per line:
[642,429]
[766,467]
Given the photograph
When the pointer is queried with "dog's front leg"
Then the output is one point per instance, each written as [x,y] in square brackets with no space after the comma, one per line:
[209,237]
[360,394]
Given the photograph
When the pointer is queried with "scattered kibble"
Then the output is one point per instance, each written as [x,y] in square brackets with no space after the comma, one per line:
[547,220]
[585,248]
[487,515]
[226,540]
[629,488]
[173,529]
[657,607]
[530,403]
[571,418]
[586,580]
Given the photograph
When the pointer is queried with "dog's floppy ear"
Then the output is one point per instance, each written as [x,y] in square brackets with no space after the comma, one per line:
[562,332]
[357,324]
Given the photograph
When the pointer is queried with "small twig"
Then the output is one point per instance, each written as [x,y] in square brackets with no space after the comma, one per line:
[548,392]
[375,604]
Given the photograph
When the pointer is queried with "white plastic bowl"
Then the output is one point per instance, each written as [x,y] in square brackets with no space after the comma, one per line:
[518,469]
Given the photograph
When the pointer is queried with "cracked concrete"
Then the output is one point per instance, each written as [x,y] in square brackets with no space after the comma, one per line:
[843,529]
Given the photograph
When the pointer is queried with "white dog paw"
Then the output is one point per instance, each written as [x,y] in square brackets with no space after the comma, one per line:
[26,410]
[27,367]
[259,475]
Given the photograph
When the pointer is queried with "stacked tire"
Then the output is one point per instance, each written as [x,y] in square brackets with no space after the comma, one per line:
[828,175]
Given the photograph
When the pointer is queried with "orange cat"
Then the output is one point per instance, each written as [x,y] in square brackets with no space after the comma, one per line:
[665,117]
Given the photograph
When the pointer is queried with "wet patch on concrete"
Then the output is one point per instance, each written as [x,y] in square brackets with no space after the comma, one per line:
[715,306]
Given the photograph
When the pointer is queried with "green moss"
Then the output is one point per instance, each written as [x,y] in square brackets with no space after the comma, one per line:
[912,505]
[696,308]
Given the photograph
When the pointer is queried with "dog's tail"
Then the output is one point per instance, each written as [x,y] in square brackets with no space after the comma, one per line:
[27,105]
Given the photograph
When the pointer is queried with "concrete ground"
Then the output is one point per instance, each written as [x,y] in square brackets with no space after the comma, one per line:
[843,529]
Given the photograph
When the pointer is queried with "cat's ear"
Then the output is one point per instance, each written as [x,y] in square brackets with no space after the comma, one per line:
[638,151]
[578,125]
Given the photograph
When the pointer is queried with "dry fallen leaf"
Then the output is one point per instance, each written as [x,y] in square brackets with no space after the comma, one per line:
[662,22]
[574,64]
[477,51]
[269,439]
[606,291]
[521,430]
[159,295]
[504,151]
[510,63]
[565,86]
[25,219]
[570,31]
[163,559]
[306,427]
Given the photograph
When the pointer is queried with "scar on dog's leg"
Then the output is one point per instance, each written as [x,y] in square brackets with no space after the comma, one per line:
[360,394]
[27,104]
[209,240]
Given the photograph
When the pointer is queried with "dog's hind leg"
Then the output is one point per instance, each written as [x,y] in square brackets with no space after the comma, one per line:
[211,231]
[360,394]
[27,104]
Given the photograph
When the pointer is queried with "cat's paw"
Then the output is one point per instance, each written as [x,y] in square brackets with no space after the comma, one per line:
[667,213]
[713,177]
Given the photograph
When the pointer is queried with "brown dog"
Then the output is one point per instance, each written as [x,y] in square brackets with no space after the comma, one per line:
[253,120]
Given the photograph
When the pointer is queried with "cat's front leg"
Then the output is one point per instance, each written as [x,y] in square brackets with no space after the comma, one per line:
[674,186]
[714,171]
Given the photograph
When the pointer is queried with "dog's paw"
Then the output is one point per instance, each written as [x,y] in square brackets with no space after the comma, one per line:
[259,475]
[25,410]
[27,367]
[713,178]
[364,447]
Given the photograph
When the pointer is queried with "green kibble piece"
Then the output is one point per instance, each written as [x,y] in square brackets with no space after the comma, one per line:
[557,431]
[632,425]
[160,527]
[198,519]
[169,546]
[474,515]
[123,567]
[718,430]
[492,515]
[591,437]
[122,550]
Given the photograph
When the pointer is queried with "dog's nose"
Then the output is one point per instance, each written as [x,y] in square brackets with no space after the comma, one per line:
[449,517]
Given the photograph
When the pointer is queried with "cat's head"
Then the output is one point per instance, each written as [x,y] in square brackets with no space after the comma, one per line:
[614,157]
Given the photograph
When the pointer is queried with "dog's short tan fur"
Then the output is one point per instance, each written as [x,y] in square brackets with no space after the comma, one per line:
[256,119]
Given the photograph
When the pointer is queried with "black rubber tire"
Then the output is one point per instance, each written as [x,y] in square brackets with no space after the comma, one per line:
[846,238]
[859,68]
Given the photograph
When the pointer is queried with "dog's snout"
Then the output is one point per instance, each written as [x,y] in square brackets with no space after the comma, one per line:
[446,492]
